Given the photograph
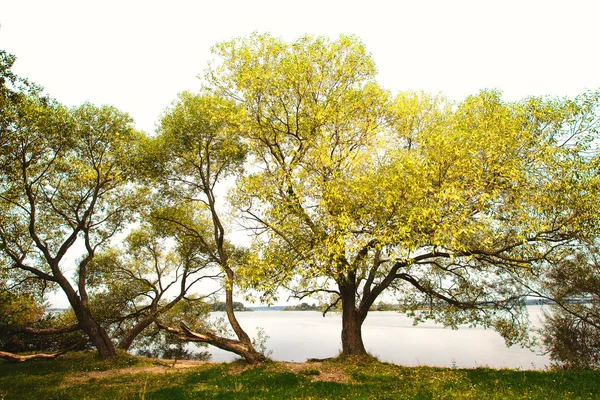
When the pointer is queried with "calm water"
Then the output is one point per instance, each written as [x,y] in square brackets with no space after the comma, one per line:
[298,335]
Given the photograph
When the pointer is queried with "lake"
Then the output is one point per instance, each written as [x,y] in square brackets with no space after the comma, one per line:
[298,335]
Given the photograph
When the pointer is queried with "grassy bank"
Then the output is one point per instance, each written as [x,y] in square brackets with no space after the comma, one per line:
[81,376]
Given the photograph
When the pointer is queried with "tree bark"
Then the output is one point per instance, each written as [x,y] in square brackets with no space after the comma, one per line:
[130,336]
[138,328]
[352,320]
[98,336]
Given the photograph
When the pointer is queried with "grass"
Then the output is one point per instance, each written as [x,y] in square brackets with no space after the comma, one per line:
[82,376]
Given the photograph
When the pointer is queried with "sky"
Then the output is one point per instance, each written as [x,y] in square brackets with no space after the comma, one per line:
[138,55]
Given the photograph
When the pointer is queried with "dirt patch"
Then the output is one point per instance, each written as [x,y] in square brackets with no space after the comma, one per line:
[238,368]
[185,364]
[166,367]
[327,372]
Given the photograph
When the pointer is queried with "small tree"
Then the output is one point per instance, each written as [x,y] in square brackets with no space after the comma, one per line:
[571,332]
[146,279]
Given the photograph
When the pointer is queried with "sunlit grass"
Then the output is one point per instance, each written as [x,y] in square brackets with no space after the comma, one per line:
[83,376]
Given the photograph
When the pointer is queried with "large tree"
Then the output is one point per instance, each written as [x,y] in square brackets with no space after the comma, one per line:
[353,194]
[65,192]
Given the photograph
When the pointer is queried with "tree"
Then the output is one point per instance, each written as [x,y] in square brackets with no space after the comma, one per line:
[16,309]
[197,148]
[144,280]
[65,192]
[450,207]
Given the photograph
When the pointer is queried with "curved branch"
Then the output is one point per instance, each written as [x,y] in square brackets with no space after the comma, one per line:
[410,279]
[329,307]
[204,336]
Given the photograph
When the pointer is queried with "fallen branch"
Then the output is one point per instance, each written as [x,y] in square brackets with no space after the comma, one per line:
[22,358]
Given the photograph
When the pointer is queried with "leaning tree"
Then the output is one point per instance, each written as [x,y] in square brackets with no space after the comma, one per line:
[65,191]
[198,147]
[450,207]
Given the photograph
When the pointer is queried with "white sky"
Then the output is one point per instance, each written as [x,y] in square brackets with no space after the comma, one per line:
[137,55]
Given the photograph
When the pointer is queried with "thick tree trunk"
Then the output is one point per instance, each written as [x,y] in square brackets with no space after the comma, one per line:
[352,320]
[92,328]
[99,337]
[352,342]
[87,323]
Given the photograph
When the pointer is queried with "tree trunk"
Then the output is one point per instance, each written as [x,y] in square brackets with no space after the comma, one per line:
[352,320]
[130,336]
[235,346]
[93,330]
[237,328]
[99,337]
[138,328]
[243,346]
[22,358]
[87,323]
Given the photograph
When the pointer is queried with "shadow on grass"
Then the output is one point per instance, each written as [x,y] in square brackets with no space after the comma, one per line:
[257,383]
[45,378]
[536,384]
[76,361]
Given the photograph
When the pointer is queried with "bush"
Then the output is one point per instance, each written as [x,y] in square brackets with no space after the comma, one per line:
[573,343]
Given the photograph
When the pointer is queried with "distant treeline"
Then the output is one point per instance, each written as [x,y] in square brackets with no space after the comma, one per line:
[303,307]
[535,302]
[381,306]
[237,306]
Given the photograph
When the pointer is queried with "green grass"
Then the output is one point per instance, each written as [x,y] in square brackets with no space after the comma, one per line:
[82,376]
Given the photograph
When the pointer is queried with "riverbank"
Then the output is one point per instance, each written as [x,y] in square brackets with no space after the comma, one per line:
[81,376]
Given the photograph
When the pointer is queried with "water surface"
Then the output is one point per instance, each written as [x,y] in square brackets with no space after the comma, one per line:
[298,335]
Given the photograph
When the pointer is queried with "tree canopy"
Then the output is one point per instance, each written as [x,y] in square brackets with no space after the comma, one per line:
[458,210]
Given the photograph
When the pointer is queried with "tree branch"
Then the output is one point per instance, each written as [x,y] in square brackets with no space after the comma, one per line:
[22,358]
[45,331]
